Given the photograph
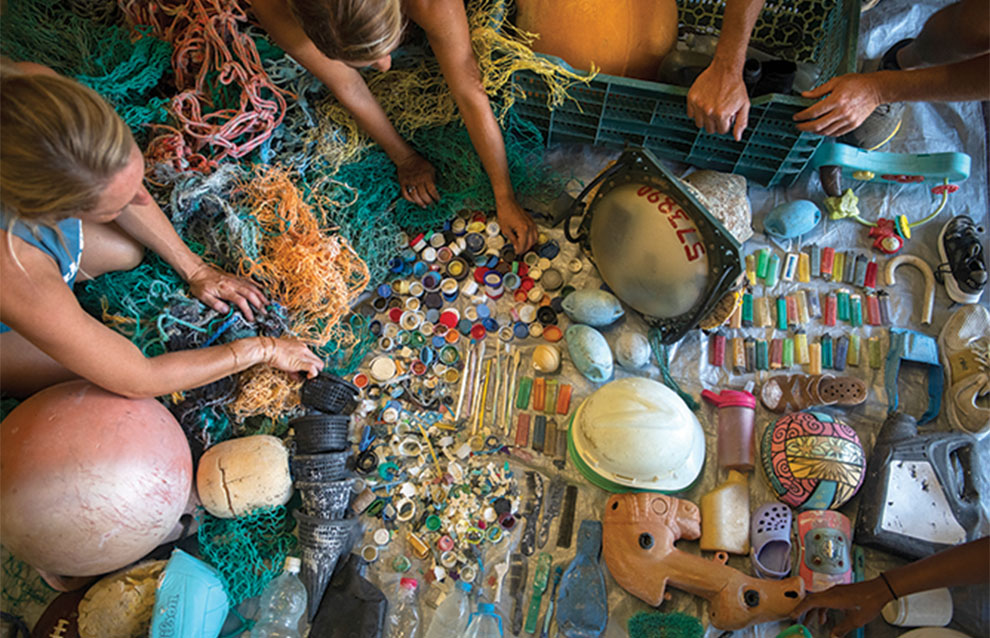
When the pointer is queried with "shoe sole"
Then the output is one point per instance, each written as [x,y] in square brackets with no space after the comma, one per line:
[945,358]
[949,279]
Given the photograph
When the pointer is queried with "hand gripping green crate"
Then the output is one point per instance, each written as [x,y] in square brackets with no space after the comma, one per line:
[618,112]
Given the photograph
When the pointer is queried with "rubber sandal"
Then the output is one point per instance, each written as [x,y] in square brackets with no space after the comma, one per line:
[824,538]
[841,391]
[783,393]
[793,392]
[770,537]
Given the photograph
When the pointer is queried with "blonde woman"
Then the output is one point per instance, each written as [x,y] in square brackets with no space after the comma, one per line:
[335,38]
[73,206]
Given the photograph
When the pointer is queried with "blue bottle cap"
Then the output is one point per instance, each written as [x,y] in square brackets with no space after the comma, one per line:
[549,249]
[419,269]
[492,261]
[408,254]
[395,265]
[464,327]
[490,324]
[432,315]
[385,291]
[426,355]
[483,310]
[438,342]
[521,330]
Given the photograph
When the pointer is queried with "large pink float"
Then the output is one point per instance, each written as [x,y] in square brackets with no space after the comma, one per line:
[90,481]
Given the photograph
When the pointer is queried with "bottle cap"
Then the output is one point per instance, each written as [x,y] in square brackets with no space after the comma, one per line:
[730,398]
[292,564]
[409,583]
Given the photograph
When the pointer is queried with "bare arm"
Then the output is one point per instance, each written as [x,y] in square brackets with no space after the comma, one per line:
[445,23]
[36,303]
[147,224]
[717,100]
[965,564]
[352,92]
[852,97]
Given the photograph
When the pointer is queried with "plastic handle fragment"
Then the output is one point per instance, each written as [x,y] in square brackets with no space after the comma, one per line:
[540,580]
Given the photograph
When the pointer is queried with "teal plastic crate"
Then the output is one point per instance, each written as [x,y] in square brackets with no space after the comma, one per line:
[618,112]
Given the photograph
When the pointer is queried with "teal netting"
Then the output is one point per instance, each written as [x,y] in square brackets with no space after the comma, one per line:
[21,586]
[102,56]
[248,551]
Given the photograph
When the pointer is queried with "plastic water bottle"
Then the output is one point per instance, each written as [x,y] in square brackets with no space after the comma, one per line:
[486,623]
[403,621]
[451,617]
[282,604]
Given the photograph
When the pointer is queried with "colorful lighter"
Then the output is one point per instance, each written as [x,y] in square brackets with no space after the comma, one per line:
[735,319]
[802,307]
[814,306]
[876,355]
[816,260]
[801,347]
[814,358]
[883,303]
[564,399]
[716,349]
[776,353]
[738,354]
[841,353]
[861,263]
[792,310]
[762,318]
[872,310]
[842,305]
[751,269]
[773,271]
[830,303]
[539,393]
[522,396]
[781,313]
[828,261]
[827,359]
[762,356]
[838,263]
[522,430]
[849,268]
[871,275]
[804,268]
[750,346]
[855,310]
[854,347]
[762,261]
[539,432]
[747,309]
[790,267]
[551,400]
[788,359]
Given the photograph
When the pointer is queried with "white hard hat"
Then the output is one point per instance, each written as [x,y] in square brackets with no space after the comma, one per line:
[636,433]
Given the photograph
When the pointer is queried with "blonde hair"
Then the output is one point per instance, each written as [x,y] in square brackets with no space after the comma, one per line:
[61,145]
[351,30]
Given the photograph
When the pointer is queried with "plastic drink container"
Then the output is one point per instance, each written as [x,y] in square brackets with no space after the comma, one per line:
[282,604]
[485,623]
[736,410]
[403,621]
[451,617]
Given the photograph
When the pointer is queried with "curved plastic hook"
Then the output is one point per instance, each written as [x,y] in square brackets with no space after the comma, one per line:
[926,271]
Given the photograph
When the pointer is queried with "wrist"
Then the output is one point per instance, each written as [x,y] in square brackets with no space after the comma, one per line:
[249,352]
[883,588]
[504,195]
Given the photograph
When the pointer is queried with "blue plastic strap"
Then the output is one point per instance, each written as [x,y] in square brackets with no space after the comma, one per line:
[908,345]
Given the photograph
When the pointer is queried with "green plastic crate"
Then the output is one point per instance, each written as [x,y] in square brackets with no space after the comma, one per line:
[618,112]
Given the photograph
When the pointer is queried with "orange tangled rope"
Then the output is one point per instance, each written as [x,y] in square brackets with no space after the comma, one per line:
[316,275]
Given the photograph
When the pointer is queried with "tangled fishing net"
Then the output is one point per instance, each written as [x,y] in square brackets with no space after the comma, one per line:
[248,551]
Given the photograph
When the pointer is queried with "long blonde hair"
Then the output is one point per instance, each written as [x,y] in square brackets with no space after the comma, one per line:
[61,145]
[351,30]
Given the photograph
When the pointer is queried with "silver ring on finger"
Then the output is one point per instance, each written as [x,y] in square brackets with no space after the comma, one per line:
[410,189]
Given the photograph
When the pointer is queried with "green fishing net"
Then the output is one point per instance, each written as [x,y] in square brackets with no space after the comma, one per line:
[248,551]
[21,586]
[664,625]
[100,54]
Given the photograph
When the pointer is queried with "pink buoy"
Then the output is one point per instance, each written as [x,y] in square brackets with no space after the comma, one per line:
[90,481]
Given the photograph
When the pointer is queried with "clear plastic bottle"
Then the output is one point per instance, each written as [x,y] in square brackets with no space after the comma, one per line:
[486,623]
[282,604]
[403,619]
[451,617]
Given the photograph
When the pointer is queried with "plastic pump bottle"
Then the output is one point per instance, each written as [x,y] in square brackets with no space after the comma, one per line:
[451,617]
[282,604]
[403,621]
[486,623]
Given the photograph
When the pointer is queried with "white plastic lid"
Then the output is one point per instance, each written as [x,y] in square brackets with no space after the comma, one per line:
[292,564]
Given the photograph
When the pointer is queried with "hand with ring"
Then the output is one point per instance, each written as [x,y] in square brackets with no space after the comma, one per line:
[417,178]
